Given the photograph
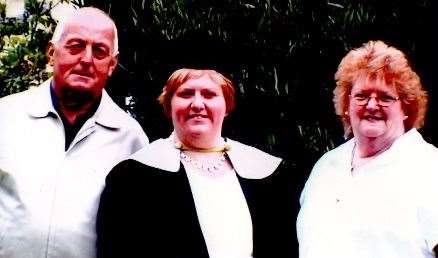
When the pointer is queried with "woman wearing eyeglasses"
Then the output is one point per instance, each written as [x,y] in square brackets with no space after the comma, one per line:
[375,195]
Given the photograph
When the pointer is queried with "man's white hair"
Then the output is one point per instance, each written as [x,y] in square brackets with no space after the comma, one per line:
[59,30]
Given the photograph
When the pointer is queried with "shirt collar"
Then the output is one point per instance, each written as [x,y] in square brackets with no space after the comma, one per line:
[41,105]
[247,161]
[406,143]
[108,114]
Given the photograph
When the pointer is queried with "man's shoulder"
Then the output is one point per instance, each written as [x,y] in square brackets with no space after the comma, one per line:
[110,115]
[113,113]
[16,98]
[25,98]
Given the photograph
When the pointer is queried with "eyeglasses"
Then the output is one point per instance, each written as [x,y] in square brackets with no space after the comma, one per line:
[383,100]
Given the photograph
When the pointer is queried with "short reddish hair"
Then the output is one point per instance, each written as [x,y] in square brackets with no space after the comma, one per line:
[179,77]
[377,61]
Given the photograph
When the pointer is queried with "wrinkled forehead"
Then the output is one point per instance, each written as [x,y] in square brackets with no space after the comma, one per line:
[89,25]
[87,33]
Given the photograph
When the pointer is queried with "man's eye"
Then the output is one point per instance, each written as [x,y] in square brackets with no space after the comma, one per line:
[75,47]
[100,52]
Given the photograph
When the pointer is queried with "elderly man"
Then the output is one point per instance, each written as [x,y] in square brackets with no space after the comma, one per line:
[58,142]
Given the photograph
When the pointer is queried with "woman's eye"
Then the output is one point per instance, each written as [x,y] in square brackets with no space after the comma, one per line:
[209,94]
[185,94]
[386,98]
[360,96]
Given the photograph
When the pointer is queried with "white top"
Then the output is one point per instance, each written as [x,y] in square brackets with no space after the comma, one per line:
[49,196]
[389,209]
[222,212]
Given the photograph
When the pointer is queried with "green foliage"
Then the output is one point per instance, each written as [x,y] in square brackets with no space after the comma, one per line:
[20,64]
[22,48]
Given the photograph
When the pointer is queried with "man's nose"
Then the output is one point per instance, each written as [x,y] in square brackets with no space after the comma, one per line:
[87,55]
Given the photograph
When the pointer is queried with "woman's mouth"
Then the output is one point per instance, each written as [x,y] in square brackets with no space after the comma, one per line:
[373,118]
[197,116]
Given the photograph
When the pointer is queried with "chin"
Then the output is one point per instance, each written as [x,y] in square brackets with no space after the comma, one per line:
[372,132]
[79,85]
[85,81]
[198,131]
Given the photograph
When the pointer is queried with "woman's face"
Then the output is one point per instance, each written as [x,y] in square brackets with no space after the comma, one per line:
[375,111]
[198,109]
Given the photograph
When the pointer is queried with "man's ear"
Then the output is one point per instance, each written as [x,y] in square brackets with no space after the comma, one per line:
[50,50]
[113,64]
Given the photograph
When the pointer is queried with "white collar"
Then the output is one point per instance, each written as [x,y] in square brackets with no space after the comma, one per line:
[403,143]
[403,147]
[247,161]
[107,114]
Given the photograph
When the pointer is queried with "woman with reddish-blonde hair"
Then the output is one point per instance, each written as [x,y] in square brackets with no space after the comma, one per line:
[375,195]
[197,194]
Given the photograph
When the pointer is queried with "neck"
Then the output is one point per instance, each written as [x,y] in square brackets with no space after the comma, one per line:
[73,111]
[222,148]
[73,104]
[200,143]
[368,147]
[72,116]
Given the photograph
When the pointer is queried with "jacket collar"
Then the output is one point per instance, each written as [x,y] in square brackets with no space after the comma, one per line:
[248,161]
[42,102]
[108,114]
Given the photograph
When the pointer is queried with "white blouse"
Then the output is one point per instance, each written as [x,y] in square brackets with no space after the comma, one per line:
[222,212]
[387,210]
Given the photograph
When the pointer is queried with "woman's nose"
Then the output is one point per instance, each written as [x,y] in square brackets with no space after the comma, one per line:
[197,102]
[372,102]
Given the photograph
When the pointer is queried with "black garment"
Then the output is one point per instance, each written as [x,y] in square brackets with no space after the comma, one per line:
[72,129]
[148,212]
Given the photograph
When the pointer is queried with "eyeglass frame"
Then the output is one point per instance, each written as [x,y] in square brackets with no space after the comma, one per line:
[367,97]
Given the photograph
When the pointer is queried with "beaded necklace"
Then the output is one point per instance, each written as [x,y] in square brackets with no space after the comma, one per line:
[213,168]
[209,167]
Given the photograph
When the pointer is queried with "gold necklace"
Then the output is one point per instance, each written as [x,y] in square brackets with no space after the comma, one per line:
[182,147]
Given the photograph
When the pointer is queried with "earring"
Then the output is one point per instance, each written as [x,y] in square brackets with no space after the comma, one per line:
[346,113]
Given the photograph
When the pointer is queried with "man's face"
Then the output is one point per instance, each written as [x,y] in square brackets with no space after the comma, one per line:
[83,58]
